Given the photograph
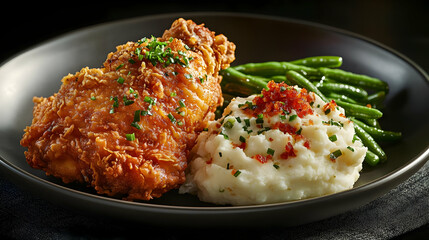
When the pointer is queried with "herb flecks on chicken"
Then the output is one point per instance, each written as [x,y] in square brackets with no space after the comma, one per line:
[127,128]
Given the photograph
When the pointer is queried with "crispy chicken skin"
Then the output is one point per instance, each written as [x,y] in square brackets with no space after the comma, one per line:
[80,133]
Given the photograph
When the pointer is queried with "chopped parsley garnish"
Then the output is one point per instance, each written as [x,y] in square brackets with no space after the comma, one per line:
[293,117]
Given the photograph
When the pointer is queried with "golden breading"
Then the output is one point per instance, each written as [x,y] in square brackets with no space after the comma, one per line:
[126,129]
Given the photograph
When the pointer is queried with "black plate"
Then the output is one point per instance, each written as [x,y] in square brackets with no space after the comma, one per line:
[38,71]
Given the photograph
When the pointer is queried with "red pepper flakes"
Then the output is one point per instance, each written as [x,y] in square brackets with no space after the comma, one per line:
[289,151]
[262,159]
[280,97]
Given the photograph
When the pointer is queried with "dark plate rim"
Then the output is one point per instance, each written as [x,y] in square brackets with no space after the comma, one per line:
[408,169]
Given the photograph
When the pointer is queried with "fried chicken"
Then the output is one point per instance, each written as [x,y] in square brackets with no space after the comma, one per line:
[126,129]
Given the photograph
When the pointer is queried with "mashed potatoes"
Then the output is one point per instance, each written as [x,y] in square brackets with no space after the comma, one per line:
[283,145]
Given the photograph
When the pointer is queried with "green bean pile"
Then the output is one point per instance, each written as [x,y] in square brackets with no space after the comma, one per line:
[359,95]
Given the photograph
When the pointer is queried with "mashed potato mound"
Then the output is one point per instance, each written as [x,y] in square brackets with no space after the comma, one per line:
[283,145]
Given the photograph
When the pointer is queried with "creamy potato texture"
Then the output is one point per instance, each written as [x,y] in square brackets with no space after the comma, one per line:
[283,145]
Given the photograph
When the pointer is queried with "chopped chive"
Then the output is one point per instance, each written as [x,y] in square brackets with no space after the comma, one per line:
[115,101]
[276,166]
[229,123]
[270,151]
[327,111]
[120,80]
[334,155]
[350,148]
[247,122]
[237,173]
[224,135]
[260,119]
[242,139]
[137,115]
[293,117]
[227,166]
[188,76]
[93,98]
[181,104]
[127,101]
[238,119]
[136,125]
[299,131]
[130,60]
[333,138]
[118,67]
[173,94]
[171,117]
[149,100]
[130,136]
[205,129]
[220,154]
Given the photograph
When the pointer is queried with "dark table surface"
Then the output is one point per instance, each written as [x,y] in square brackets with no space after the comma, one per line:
[401,25]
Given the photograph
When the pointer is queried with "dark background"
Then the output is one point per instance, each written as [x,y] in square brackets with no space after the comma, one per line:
[400,25]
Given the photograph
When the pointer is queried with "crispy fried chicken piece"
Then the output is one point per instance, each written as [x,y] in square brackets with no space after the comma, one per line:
[126,129]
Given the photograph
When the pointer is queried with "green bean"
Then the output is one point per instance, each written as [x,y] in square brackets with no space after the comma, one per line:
[236,89]
[371,158]
[319,61]
[267,69]
[378,134]
[255,83]
[355,110]
[377,98]
[372,122]
[355,79]
[369,142]
[298,79]
[344,98]
[345,89]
